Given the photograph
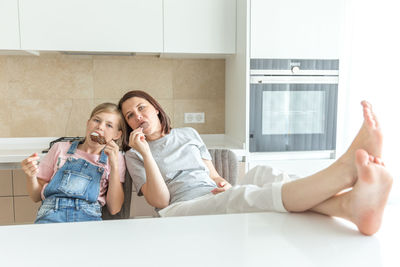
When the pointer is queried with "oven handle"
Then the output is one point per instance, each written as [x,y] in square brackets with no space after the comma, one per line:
[294,79]
[294,72]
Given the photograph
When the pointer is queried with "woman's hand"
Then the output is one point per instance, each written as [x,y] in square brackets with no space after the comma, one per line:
[112,150]
[222,184]
[137,140]
[30,165]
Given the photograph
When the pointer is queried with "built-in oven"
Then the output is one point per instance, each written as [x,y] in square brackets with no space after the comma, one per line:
[293,105]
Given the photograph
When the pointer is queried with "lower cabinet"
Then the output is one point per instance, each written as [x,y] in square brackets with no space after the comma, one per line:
[16,207]
[25,209]
[140,208]
[6,210]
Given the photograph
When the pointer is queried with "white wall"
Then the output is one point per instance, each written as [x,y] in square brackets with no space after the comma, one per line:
[372,58]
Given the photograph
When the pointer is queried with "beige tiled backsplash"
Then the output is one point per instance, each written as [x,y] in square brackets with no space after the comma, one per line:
[53,94]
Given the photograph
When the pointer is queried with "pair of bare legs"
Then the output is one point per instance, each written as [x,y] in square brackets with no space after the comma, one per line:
[359,168]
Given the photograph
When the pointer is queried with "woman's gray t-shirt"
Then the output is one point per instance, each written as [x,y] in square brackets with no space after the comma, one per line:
[179,156]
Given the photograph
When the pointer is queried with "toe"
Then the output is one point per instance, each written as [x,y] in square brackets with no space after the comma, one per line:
[362,157]
[379,161]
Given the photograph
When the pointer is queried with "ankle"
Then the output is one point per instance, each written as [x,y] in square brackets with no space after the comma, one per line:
[345,208]
[348,171]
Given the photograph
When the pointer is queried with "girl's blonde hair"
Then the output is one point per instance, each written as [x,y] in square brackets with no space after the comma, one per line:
[112,108]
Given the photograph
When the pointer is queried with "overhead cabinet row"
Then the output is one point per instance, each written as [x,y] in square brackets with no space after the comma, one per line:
[302,29]
[151,26]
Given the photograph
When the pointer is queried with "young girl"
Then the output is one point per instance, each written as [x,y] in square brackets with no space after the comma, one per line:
[74,180]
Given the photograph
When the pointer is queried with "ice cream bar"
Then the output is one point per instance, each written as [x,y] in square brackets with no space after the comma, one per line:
[98,138]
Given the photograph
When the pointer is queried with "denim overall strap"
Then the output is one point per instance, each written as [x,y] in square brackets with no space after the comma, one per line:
[103,157]
[73,147]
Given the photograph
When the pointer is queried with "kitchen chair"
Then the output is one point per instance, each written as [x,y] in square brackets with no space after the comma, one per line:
[225,162]
[126,206]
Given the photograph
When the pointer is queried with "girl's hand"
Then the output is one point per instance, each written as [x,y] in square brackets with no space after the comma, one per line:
[222,184]
[30,165]
[112,150]
[137,140]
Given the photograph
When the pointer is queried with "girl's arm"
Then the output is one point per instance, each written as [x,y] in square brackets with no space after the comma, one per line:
[222,184]
[115,192]
[154,190]
[34,185]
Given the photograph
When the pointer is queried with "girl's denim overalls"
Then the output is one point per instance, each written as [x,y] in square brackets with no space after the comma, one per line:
[71,195]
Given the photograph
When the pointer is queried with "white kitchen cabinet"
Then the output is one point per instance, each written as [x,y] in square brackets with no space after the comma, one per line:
[207,26]
[91,25]
[9,27]
[302,29]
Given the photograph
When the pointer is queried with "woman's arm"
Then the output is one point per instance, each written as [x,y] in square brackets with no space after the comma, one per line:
[154,189]
[115,192]
[34,185]
[222,184]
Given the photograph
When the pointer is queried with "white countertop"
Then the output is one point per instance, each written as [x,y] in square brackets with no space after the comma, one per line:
[14,150]
[257,239]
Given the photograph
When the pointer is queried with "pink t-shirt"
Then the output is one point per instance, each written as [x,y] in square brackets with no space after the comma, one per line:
[57,156]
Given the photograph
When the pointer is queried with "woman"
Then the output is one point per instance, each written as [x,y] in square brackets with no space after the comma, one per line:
[172,169]
[75,179]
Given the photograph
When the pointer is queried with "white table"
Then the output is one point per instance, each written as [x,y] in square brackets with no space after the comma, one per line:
[257,239]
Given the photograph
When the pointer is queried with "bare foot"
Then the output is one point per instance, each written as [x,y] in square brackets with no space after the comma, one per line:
[368,198]
[369,138]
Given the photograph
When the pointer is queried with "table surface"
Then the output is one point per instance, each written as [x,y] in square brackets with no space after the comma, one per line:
[253,239]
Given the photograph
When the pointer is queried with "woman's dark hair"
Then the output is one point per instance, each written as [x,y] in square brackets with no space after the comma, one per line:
[162,116]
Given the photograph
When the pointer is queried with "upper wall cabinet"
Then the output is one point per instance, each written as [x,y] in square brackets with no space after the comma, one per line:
[91,25]
[206,26]
[9,30]
[299,29]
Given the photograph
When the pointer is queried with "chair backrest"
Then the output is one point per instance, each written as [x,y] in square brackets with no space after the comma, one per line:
[126,206]
[226,164]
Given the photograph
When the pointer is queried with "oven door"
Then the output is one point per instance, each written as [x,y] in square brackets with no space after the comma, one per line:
[293,113]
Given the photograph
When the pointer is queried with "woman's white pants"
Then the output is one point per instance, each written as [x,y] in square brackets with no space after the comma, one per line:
[259,190]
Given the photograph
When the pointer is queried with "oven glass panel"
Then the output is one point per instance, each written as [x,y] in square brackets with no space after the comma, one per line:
[292,117]
[293,112]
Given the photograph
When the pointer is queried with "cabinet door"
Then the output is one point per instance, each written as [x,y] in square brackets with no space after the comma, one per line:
[295,29]
[206,26]
[6,210]
[6,186]
[91,25]
[9,29]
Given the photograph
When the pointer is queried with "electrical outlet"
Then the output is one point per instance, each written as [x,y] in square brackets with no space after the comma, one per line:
[198,117]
